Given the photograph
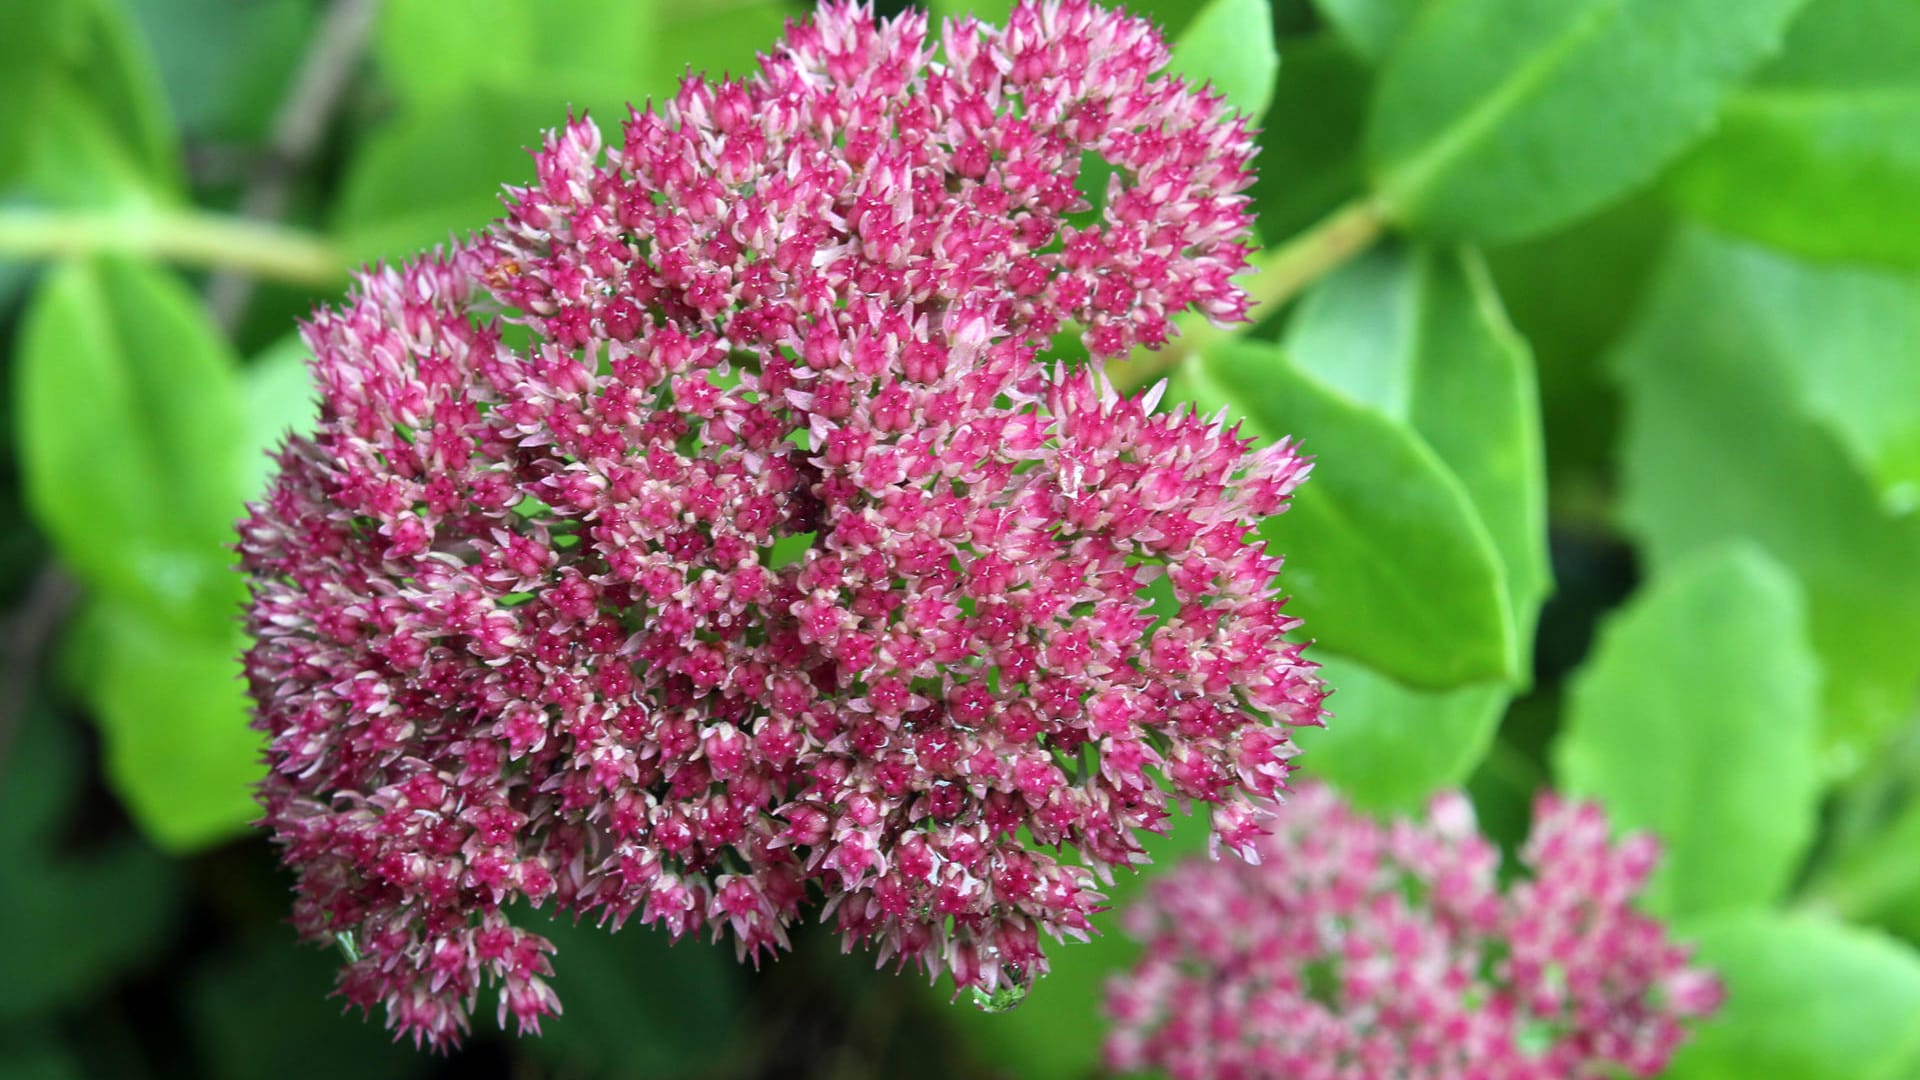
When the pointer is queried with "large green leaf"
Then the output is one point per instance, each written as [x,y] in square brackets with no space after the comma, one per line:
[1725,437]
[1697,719]
[583,53]
[1387,559]
[436,173]
[1821,154]
[1878,879]
[1309,163]
[173,708]
[69,924]
[1389,747]
[1807,999]
[226,66]
[281,399]
[1230,45]
[1421,338]
[1371,26]
[128,411]
[1497,119]
[638,1004]
[260,1008]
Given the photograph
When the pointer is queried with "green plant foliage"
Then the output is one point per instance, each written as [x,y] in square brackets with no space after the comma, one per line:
[1371,26]
[1660,730]
[1420,338]
[1309,159]
[1833,127]
[1807,999]
[128,407]
[1724,439]
[69,923]
[537,49]
[1386,556]
[1389,747]
[686,1016]
[1499,119]
[1230,45]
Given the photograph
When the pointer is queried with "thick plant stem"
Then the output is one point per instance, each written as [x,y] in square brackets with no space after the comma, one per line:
[188,237]
[1280,274]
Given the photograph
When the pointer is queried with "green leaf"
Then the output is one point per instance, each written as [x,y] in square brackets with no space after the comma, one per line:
[74,159]
[437,172]
[1420,337]
[639,1005]
[588,54]
[1387,560]
[1309,163]
[1230,45]
[1571,293]
[1806,1000]
[1498,119]
[1371,26]
[1697,719]
[226,66]
[1821,154]
[280,399]
[32,38]
[1878,880]
[67,924]
[128,412]
[118,71]
[173,709]
[260,1008]
[1723,439]
[1391,748]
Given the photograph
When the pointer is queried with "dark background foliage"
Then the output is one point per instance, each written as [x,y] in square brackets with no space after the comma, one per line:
[1618,420]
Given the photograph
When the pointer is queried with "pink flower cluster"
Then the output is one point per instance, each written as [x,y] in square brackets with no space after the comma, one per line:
[1357,949]
[712,537]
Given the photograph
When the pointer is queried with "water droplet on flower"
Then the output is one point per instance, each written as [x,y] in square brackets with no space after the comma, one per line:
[1008,996]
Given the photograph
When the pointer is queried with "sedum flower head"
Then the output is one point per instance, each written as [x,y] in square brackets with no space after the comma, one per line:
[1357,949]
[710,539]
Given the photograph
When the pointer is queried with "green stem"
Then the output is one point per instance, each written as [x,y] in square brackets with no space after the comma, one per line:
[1280,275]
[189,237]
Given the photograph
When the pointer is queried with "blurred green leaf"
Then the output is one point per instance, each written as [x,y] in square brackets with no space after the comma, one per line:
[261,1008]
[638,1005]
[1697,719]
[1806,1000]
[431,174]
[1498,119]
[1388,747]
[280,398]
[1878,880]
[32,40]
[1571,293]
[75,159]
[587,54]
[1230,45]
[37,1058]
[1722,441]
[1420,337]
[118,71]
[128,410]
[1387,560]
[1371,26]
[226,64]
[1309,163]
[174,711]
[69,924]
[1821,154]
